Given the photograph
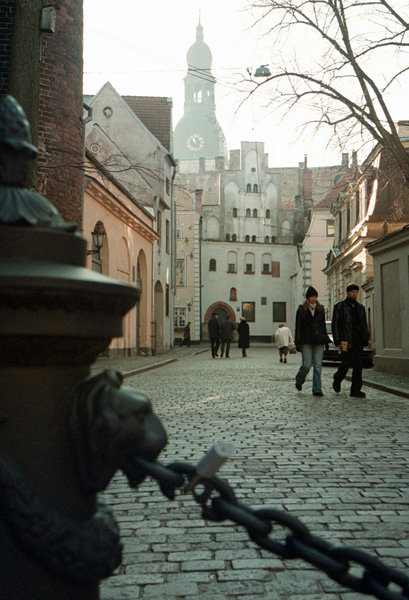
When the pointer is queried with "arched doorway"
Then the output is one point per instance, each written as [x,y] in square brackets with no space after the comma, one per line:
[157,325]
[142,307]
[223,309]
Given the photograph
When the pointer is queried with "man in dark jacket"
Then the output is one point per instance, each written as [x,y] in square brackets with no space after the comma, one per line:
[350,332]
[213,327]
[226,330]
[186,335]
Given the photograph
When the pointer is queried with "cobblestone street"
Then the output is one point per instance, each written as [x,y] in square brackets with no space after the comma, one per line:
[339,464]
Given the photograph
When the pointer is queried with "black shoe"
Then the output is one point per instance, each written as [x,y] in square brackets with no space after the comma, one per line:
[318,394]
[336,386]
[227,356]
[357,395]
[298,386]
[221,355]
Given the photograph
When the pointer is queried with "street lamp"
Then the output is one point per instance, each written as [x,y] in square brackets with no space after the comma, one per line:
[262,71]
[98,239]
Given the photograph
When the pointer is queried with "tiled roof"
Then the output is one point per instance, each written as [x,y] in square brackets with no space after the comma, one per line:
[334,192]
[156,114]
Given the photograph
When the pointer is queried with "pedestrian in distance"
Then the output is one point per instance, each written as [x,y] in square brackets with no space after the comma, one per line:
[350,333]
[243,330]
[226,335]
[213,328]
[283,337]
[186,336]
[310,338]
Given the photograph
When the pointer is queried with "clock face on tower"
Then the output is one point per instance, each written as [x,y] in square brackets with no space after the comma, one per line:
[195,142]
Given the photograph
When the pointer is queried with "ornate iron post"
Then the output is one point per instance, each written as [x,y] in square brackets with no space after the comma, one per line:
[62,436]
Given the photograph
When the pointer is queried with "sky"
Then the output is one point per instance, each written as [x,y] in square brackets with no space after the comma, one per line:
[140,48]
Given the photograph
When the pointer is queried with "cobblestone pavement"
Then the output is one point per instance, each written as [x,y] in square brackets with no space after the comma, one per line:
[339,464]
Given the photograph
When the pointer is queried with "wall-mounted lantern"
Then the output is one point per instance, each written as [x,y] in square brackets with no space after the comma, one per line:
[98,239]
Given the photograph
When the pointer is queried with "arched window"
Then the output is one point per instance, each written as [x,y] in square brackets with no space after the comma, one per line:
[248,212]
[234,238]
[212,264]
[227,237]
[267,239]
[234,213]
[233,295]
[255,188]
[268,214]
[247,238]
[254,213]
[248,187]
[253,239]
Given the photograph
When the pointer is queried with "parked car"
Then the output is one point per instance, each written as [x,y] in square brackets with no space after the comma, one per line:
[333,354]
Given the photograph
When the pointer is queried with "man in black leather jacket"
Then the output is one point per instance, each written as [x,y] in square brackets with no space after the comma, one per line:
[350,333]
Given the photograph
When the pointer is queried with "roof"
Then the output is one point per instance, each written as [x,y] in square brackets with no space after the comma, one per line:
[333,194]
[156,114]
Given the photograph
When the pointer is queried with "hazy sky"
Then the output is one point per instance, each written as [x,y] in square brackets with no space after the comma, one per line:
[140,47]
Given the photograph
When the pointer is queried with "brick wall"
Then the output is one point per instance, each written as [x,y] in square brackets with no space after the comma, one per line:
[60,119]
[6,21]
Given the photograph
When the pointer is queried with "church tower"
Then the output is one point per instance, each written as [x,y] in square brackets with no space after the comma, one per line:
[198,133]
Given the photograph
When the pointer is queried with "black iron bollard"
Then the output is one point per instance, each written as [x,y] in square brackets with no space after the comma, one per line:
[61,436]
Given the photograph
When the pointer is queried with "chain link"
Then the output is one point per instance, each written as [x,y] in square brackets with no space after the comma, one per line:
[336,562]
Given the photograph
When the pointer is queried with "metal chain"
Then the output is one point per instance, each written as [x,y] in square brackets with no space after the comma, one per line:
[337,562]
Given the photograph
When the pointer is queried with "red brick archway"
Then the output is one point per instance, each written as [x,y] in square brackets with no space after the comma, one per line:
[217,306]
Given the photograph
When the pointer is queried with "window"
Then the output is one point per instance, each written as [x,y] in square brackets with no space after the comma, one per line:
[232,262]
[266,240]
[330,227]
[268,213]
[248,212]
[254,213]
[255,188]
[167,186]
[275,269]
[247,238]
[234,238]
[180,271]
[248,187]
[212,264]
[227,237]
[266,263]
[180,316]
[248,310]
[279,312]
[233,295]
[266,268]
[167,236]
[253,239]
[234,213]
[249,262]
[263,301]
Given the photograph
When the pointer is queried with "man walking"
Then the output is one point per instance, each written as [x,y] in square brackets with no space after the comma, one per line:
[186,336]
[213,327]
[350,333]
[284,338]
[226,329]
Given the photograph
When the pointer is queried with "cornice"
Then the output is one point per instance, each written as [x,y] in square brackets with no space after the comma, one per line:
[117,208]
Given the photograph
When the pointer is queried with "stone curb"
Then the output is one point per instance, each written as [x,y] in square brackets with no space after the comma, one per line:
[157,365]
[389,389]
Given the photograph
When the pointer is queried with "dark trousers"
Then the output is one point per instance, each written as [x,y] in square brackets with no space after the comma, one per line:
[186,340]
[352,358]
[227,344]
[215,343]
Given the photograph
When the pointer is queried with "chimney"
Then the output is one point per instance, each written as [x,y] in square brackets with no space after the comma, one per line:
[305,161]
[354,160]
[345,159]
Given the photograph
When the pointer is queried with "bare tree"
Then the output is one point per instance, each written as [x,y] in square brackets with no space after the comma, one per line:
[342,59]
